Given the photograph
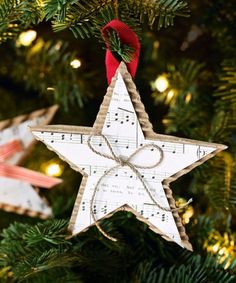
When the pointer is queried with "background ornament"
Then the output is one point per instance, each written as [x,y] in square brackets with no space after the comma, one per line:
[17,193]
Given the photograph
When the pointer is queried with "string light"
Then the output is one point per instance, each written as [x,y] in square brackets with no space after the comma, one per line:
[215,248]
[188,214]
[58,45]
[156,44]
[188,211]
[41,3]
[188,97]
[53,168]
[170,95]
[75,64]
[26,37]
[50,89]
[222,246]
[37,47]
[161,83]
[165,122]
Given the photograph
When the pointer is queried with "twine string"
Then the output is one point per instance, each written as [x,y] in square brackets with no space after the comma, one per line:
[126,161]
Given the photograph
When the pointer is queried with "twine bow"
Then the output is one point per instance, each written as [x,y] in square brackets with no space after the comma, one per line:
[126,161]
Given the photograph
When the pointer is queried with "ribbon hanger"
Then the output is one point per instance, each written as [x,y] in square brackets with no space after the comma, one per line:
[127,36]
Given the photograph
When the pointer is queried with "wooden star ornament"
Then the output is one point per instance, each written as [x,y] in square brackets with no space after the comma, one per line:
[122,134]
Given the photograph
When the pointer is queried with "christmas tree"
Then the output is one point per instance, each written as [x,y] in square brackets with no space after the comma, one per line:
[52,52]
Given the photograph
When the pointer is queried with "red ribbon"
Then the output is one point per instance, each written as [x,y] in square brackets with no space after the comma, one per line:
[127,36]
[15,172]
[9,149]
[26,175]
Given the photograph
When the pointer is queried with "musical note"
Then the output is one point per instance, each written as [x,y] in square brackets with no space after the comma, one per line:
[149,210]
[108,120]
[120,116]
[83,206]
[200,152]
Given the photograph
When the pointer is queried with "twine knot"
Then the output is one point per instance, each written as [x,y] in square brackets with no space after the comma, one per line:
[122,161]
[127,161]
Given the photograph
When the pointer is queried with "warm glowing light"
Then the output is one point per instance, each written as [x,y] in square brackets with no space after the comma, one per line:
[165,121]
[37,47]
[188,214]
[41,3]
[161,83]
[58,45]
[53,169]
[75,63]
[156,44]
[13,25]
[170,95]
[27,37]
[50,89]
[188,211]
[188,97]
[222,246]
[215,248]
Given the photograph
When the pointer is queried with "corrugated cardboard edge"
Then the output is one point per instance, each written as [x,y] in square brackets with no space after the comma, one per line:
[23,211]
[49,114]
[149,134]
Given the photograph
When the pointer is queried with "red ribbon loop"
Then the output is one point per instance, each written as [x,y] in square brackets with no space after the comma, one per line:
[127,36]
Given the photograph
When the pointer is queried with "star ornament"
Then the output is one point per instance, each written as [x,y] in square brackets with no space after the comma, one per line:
[17,194]
[123,122]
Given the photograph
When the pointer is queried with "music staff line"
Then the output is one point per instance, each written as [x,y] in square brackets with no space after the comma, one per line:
[150,176]
[128,143]
[148,211]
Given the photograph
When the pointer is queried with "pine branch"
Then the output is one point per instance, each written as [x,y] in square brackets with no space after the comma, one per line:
[51,234]
[12,241]
[39,61]
[78,16]
[224,121]
[84,18]
[183,113]
[17,15]
[160,12]
[53,260]
[194,270]
[123,50]
[90,257]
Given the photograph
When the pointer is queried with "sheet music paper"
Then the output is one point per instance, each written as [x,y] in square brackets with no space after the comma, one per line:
[20,132]
[121,187]
[22,195]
